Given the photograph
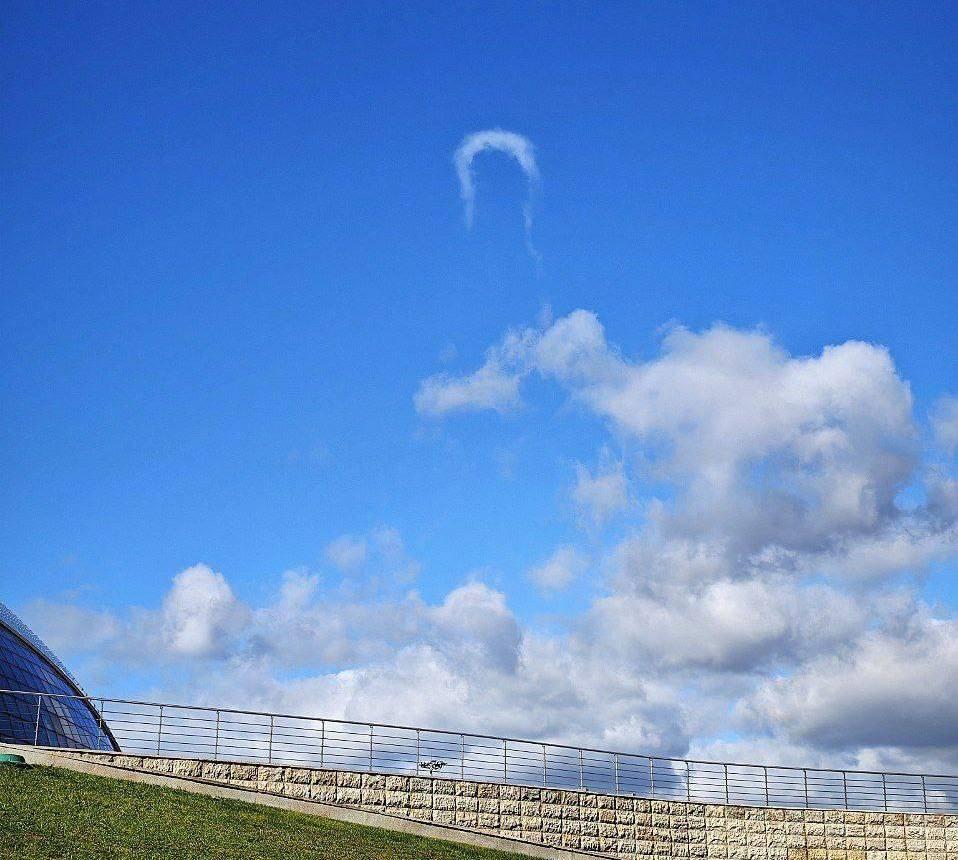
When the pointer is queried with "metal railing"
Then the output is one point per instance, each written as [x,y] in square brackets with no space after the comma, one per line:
[226,734]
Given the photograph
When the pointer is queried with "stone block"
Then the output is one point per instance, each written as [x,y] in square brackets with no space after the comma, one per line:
[509,807]
[443,816]
[349,796]
[488,821]
[400,800]
[324,777]
[551,825]
[420,800]
[553,840]
[299,775]
[299,790]
[374,781]
[373,797]
[187,768]
[487,790]
[345,779]
[398,783]
[323,793]
[509,792]
[489,805]
[589,828]
[215,771]
[510,822]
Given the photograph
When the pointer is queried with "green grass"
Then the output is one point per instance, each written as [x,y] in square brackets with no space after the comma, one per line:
[48,812]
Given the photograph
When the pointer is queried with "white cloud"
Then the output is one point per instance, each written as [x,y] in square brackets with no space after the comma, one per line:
[727,626]
[891,689]
[495,385]
[770,591]
[766,560]
[767,450]
[599,496]
[347,552]
[514,145]
[201,614]
[558,571]
[380,552]
[944,422]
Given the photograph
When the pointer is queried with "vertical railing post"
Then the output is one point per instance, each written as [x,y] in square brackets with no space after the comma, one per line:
[462,756]
[884,793]
[99,726]
[322,744]
[371,750]
[924,794]
[159,732]
[545,771]
[765,772]
[36,730]
[652,775]
[725,766]
[418,753]
[805,779]
[581,770]
[505,760]
[688,783]
[216,738]
[615,762]
[845,789]
[269,752]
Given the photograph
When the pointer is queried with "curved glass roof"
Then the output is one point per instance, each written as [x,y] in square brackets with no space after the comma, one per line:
[13,621]
[40,705]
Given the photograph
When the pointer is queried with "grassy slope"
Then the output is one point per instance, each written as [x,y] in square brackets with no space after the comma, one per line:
[49,812]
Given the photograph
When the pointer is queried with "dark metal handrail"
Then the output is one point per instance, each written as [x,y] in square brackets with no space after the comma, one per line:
[230,734]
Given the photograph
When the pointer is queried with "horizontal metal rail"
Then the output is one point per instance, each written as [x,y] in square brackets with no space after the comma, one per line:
[227,734]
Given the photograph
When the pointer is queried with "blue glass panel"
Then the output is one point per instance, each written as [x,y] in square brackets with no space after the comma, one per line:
[58,722]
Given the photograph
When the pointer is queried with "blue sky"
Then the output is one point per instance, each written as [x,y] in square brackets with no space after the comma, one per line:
[234,249]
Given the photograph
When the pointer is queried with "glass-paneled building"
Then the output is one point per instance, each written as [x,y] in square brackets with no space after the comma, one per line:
[29,669]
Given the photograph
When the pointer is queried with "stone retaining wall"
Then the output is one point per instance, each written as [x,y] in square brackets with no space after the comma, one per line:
[620,827]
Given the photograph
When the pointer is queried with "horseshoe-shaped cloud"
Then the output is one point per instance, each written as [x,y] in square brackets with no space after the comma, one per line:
[515,145]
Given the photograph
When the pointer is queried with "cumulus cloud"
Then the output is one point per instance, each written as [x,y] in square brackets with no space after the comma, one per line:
[201,613]
[381,552]
[944,422]
[768,588]
[346,552]
[778,552]
[514,145]
[798,453]
[494,385]
[888,690]
[599,496]
[728,626]
[558,571]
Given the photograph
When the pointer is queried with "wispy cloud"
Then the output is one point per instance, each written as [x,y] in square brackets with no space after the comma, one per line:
[515,145]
